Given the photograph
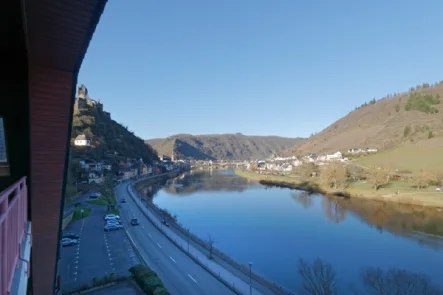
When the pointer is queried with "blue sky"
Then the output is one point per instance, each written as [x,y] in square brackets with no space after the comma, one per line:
[280,67]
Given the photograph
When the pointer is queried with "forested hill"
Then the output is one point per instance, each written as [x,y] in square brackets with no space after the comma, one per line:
[107,136]
[222,146]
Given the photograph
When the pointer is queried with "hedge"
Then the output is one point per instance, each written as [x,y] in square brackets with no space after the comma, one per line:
[148,280]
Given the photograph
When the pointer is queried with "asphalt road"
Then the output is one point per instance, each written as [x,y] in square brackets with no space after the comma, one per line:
[97,254]
[179,273]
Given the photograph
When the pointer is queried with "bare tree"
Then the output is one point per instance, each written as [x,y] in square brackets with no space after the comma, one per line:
[333,211]
[355,172]
[211,243]
[303,198]
[307,169]
[375,281]
[318,278]
[334,175]
[422,179]
[378,176]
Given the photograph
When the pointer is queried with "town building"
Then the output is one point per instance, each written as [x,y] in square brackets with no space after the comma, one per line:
[81,140]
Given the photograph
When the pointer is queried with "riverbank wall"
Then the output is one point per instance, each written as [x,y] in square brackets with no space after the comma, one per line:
[427,199]
[218,256]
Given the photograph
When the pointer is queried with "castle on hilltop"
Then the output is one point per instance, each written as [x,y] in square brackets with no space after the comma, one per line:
[83,100]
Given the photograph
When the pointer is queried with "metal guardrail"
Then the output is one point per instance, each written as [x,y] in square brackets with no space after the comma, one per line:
[13,220]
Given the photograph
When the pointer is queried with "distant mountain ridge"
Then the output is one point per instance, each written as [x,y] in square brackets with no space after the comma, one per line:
[413,117]
[221,146]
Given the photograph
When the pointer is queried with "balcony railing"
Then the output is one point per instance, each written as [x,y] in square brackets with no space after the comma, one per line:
[13,222]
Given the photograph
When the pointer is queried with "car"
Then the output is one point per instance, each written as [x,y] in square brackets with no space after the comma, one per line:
[112,216]
[123,201]
[69,242]
[164,222]
[71,236]
[134,221]
[111,227]
[95,195]
[113,222]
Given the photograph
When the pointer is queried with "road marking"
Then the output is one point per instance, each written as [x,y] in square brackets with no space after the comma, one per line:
[172,259]
[192,278]
[149,235]
[159,245]
[143,226]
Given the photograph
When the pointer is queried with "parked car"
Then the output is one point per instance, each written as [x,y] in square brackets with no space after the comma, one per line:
[111,227]
[71,236]
[164,222]
[123,200]
[112,216]
[134,221]
[69,242]
[94,195]
[113,222]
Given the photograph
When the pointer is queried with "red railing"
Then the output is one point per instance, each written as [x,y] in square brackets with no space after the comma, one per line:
[13,221]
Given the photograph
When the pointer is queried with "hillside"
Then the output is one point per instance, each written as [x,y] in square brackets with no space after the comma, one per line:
[411,117]
[107,136]
[222,146]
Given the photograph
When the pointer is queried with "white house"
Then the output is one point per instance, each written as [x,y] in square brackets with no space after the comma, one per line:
[81,140]
[371,150]
[94,177]
[335,156]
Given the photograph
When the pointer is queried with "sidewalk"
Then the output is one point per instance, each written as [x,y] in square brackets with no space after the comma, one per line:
[217,270]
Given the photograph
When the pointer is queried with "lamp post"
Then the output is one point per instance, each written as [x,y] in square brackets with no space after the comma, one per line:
[188,240]
[250,278]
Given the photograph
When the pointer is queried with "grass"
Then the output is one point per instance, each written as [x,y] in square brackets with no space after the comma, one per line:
[408,157]
[99,201]
[113,211]
[408,195]
[78,215]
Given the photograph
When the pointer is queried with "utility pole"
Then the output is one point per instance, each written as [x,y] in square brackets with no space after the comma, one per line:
[188,239]
[250,278]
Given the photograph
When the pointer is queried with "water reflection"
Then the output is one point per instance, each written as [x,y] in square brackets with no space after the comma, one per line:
[213,180]
[419,223]
[424,225]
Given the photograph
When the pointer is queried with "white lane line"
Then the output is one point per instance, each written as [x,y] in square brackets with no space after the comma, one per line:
[159,245]
[143,226]
[172,259]
[149,235]
[192,278]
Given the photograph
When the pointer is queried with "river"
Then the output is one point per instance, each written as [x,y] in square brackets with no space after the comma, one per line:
[273,228]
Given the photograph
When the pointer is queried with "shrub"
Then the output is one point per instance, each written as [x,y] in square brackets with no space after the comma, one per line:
[407,131]
[148,280]
[422,102]
[430,135]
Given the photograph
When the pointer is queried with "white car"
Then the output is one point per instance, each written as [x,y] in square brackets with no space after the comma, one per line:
[112,216]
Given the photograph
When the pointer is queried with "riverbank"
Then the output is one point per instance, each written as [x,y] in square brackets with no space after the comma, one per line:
[406,195]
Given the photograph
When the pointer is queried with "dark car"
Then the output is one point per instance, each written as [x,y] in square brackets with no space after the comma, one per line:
[134,221]
[111,227]
[70,236]
[123,201]
[164,222]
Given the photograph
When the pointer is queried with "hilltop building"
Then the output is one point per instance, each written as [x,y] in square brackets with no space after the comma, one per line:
[83,100]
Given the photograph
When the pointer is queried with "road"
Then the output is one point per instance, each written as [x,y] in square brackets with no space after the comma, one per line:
[179,273]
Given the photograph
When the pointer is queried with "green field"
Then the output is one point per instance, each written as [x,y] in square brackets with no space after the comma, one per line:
[408,157]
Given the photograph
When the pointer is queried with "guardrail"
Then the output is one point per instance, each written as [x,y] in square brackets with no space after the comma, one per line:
[13,220]
[277,289]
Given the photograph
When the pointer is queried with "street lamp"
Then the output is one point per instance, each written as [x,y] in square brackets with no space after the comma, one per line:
[188,240]
[250,278]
